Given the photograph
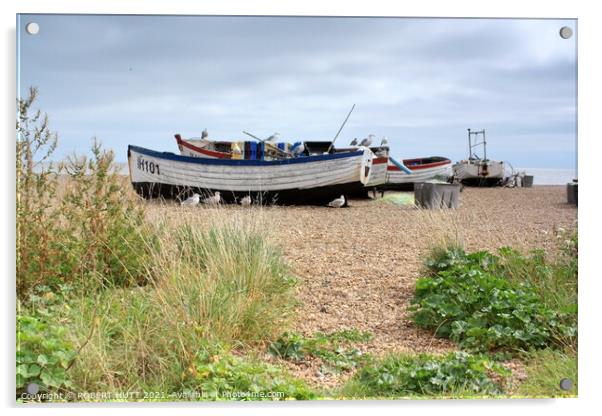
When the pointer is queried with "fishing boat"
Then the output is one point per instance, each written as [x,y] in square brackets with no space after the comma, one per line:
[209,149]
[315,179]
[311,158]
[477,171]
[402,175]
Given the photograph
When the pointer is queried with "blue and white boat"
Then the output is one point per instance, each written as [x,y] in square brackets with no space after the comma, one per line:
[313,179]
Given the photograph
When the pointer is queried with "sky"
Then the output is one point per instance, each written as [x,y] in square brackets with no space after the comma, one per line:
[419,82]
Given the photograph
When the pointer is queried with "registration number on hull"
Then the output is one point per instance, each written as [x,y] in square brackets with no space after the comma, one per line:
[146,166]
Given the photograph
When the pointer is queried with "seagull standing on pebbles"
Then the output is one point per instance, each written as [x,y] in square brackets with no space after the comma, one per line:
[353,142]
[192,201]
[337,203]
[246,201]
[213,200]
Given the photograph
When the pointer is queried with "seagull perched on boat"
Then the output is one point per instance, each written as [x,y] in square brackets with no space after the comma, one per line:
[337,203]
[204,134]
[246,201]
[353,142]
[213,200]
[367,141]
[273,137]
[384,142]
[192,201]
[298,148]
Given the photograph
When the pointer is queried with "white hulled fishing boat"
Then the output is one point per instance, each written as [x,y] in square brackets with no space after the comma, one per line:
[477,171]
[310,179]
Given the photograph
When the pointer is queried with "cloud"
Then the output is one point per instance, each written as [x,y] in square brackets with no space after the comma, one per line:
[421,82]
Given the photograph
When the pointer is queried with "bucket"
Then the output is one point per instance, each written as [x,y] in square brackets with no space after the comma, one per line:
[433,195]
[571,193]
[527,181]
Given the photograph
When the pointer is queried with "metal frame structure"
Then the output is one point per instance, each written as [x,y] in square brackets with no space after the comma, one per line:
[471,154]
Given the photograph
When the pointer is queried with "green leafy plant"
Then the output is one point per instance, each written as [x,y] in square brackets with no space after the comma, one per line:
[43,354]
[470,299]
[455,374]
[553,278]
[334,349]
[220,375]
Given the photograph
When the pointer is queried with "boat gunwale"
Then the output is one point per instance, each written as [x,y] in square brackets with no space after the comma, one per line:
[240,162]
[212,153]
[394,168]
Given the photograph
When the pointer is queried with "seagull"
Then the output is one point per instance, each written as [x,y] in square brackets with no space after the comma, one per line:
[384,142]
[213,200]
[353,142]
[204,134]
[298,149]
[337,203]
[192,201]
[246,201]
[367,141]
[273,137]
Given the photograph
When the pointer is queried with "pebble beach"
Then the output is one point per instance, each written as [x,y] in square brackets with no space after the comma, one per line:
[357,266]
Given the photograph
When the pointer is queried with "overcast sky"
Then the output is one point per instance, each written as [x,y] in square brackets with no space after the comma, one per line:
[420,82]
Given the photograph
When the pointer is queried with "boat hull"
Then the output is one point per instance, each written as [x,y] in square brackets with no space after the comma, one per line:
[312,179]
[479,173]
[376,179]
[421,170]
[314,196]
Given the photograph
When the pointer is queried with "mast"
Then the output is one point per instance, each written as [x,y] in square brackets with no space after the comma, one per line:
[484,146]
[469,146]
[339,132]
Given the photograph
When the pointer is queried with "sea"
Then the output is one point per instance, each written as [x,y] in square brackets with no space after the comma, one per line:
[544,176]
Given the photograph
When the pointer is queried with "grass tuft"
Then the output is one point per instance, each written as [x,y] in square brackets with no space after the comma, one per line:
[545,369]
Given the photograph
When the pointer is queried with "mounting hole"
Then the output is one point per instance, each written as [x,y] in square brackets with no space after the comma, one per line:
[566,32]
[32,28]
[33,388]
[566,384]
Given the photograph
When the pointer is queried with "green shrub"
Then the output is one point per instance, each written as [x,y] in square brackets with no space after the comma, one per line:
[554,279]
[36,192]
[334,349]
[470,299]
[456,374]
[44,354]
[104,240]
[220,375]
[76,223]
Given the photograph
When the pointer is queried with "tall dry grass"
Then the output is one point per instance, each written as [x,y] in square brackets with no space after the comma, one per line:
[220,284]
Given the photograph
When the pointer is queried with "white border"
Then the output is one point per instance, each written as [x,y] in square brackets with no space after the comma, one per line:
[589,139]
